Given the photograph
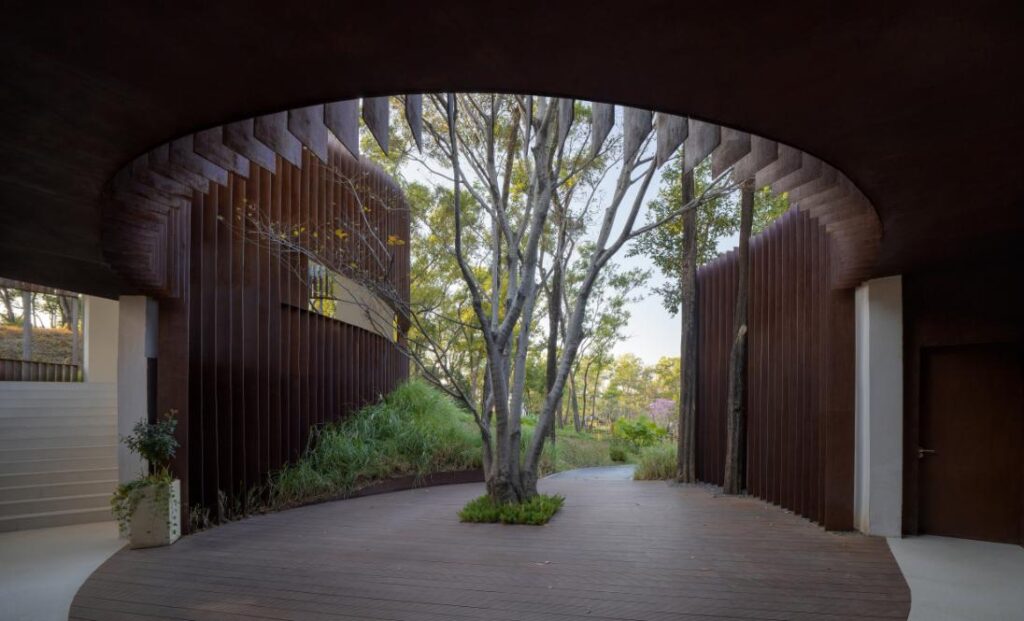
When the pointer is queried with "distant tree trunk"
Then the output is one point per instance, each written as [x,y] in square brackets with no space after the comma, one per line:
[74,330]
[8,300]
[736,425]
[555,318]
[686,467]
[575,402]
[64,307]
[26,325]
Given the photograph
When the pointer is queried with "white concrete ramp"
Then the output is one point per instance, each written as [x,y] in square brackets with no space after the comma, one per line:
[58,453]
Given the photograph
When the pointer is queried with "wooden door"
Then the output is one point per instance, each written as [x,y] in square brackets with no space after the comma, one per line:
[972,417]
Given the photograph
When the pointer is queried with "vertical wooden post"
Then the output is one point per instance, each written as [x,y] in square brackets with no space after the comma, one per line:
[172,393]
[839,424]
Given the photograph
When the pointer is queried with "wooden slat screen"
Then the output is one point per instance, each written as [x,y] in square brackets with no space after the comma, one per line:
[249,368]
[800,372]
[12,370]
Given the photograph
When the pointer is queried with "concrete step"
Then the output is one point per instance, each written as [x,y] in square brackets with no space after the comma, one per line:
[77,407]
[109,460]
[105,431]
[57,490]
[57,422]
[60,394]
[57,476]
[10,508]
[51,443]
[57,389]
[101,449]
[32,388]
[55,518]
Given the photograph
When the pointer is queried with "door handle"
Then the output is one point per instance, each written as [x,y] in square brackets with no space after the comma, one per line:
[921,452]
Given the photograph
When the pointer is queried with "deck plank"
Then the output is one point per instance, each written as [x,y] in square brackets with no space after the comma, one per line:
[618,550]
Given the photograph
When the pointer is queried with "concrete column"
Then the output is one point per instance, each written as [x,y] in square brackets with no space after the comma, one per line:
[878,403]
[136,345]
[100,340]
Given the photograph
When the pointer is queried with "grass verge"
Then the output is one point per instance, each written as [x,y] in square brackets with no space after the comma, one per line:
[415,430]
[535,511]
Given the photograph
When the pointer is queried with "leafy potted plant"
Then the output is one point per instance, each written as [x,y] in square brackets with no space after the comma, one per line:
[148,509]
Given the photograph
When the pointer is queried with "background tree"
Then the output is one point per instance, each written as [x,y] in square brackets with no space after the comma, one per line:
[717,219]
[677,253]
[514,256]
[736,419]
[519,206]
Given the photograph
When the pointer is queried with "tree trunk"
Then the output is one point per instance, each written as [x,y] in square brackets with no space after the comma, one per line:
[5,295]
[75,347]
[26,325]
[575,403]
[586,409]
[686,468]
[736,424]
[554,319]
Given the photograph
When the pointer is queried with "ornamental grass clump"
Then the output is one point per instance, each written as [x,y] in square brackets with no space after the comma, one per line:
[656,463]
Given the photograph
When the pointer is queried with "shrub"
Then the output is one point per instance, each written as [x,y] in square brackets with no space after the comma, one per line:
[638,432]
[156,444]
[414,430]
[535,511]
[656,463]
[618,451]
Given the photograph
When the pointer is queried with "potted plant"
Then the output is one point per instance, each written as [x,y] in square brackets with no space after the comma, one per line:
[148,509]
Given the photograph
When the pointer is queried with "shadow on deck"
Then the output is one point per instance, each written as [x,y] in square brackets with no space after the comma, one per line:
[618,550]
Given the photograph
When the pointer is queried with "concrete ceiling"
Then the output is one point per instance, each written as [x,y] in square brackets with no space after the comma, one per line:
[919,103]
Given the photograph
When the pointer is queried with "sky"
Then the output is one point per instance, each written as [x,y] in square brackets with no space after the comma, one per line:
[652,332]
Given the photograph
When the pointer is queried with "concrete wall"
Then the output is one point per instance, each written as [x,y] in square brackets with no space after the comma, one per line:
[878,403]
[136,344]
[358,306]
[101,326]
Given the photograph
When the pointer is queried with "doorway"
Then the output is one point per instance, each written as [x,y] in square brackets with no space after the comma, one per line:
[971,454]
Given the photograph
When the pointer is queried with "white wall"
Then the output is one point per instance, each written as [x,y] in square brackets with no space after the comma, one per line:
[136,342]
[101,325]
[878,402]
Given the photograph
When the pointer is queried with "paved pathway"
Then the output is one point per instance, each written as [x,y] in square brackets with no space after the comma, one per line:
[954,579]
[41,569]
[599,473]
[618,550]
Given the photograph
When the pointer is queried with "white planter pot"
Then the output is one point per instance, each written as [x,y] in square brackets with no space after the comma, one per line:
[157,518]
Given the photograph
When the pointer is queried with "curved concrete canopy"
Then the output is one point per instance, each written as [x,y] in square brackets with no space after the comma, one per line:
[919,104]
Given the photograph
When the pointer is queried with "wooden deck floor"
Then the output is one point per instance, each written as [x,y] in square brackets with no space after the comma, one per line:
[618,550]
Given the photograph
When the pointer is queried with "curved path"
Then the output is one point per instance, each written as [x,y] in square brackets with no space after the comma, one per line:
[617,550]
[597,473]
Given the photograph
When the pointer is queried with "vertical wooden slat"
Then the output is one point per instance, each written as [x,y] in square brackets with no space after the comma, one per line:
[799,406]
[249,367]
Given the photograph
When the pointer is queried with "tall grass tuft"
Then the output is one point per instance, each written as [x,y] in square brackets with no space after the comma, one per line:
[414,430]
[656,463]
